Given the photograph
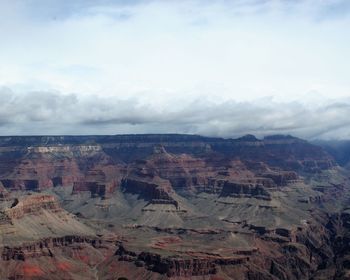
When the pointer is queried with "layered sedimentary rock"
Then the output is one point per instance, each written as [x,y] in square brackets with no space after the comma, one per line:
[31,205]
[186,161]
[281,178]
[171,206]
[177,267]
[242,189]
[44,247]
[154,193]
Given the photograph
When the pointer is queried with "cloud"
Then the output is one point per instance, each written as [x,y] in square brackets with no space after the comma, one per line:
[252,48]
[194,66]
[57,113]
[124,9]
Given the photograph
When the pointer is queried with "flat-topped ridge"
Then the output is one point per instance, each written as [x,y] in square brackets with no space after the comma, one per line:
[46,140]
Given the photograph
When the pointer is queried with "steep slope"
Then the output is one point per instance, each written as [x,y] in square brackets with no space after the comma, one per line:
[339,149]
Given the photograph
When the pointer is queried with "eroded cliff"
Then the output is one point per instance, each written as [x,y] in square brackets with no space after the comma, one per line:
[171,206]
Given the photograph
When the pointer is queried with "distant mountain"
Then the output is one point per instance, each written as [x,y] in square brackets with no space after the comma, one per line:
[339,149]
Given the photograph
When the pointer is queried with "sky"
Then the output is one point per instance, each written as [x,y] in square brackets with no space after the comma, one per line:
[209,67]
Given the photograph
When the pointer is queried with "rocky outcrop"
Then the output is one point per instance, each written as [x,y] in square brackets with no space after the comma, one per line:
[315,166]
[280,253]
[149,191]
[31,205]
[41,172]
[177,267]
[43,248]
[96,188]
[16,184]
[86,167]
[243,189]
[339,227]
[281,178]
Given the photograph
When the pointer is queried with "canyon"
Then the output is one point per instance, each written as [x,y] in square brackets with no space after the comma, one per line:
[172,206]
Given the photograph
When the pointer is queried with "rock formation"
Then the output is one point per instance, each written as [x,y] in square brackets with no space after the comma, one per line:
[171,207]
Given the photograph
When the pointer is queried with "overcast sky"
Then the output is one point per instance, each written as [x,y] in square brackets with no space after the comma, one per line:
[221,68]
